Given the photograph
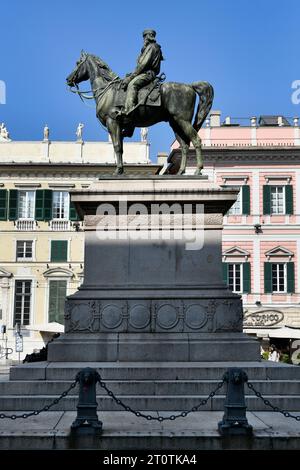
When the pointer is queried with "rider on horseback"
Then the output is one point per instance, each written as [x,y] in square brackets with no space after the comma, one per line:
[148,67]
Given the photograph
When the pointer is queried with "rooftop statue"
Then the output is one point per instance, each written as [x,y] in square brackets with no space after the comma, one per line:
[46,133]
[4,134]
[79,131]
[141,99]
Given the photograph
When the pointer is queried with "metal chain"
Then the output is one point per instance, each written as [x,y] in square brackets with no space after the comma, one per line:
[45,408]
[139,414]
[268,403]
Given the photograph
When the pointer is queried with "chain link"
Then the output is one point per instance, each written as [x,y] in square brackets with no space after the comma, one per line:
[45,408]
[139,414]
[268,403]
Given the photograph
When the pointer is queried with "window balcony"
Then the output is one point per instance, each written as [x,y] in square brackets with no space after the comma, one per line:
[25,224]
[59,225]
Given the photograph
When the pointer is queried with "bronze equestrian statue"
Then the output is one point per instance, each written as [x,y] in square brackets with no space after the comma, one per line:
[142,107]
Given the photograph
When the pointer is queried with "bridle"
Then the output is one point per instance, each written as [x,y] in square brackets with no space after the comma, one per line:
[82,94]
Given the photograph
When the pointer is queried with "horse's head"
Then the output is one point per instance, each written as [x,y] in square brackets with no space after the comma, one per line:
[80,73]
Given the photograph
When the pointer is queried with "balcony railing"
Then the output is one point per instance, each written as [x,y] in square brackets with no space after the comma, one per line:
[59,225]
[25,224]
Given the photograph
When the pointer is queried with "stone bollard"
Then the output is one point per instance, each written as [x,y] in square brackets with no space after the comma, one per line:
[87,421]
[234,421]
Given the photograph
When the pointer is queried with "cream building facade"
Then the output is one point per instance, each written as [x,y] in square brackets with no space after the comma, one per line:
[41,236]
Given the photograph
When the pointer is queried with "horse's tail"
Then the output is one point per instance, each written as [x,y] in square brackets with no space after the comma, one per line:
[206,95]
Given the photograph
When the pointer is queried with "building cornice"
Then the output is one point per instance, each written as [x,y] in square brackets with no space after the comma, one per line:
[73,170]
[257,154]
[140,167]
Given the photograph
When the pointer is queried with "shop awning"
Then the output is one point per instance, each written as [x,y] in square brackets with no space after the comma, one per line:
[52,327]
[284,332]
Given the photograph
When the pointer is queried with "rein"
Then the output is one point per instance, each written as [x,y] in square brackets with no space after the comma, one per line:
[87,97]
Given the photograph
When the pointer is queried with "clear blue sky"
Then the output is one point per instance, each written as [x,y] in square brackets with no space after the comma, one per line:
[248,49]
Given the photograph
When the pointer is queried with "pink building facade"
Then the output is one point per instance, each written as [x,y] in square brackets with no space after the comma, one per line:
[261,237]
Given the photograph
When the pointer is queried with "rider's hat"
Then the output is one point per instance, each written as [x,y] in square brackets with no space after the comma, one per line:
[149,31]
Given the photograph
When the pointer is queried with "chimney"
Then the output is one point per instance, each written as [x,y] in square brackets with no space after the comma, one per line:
[253,121]
[280,121]
[296,121]
[215,118]
[227,121]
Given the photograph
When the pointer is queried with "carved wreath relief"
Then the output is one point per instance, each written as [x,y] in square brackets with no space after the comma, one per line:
[189,315]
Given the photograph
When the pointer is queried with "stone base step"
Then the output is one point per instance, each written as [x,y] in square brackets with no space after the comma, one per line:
[147,347]
[149,386]
[123,431]
[264,370]
[146,387]
[145,402]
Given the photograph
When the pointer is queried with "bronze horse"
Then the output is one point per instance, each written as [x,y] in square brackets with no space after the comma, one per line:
[177,107]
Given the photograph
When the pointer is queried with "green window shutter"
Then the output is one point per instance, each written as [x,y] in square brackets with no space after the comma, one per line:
[246,277]
[39,204]
[43,204]
[225,273]
[289,199]
[267,199]
[73,213]
[47,204]
[268,277]
[246,199]
[290,272]
[3,204]
[57,296]
[59,250]
[13,204]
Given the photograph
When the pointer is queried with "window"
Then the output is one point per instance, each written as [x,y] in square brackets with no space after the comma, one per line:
[235,280]
[22,302]
[279,277]
[60,205]
[24,250]
[26,206]
[277,200]
[57,296]
[59,250]
[236,209]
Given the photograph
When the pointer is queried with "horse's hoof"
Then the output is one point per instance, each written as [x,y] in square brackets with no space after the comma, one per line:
[181,171]
[119,170]
[198,171]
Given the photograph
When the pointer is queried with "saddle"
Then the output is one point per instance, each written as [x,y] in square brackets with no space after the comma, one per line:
[148,95]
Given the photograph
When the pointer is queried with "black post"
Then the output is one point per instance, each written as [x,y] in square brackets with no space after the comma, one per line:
[234,420]
[87,421]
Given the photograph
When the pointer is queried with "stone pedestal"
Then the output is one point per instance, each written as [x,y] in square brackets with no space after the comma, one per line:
[153,287]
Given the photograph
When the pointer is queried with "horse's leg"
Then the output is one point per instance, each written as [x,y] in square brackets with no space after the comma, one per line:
[184,152]
[116,136]
[191,134]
